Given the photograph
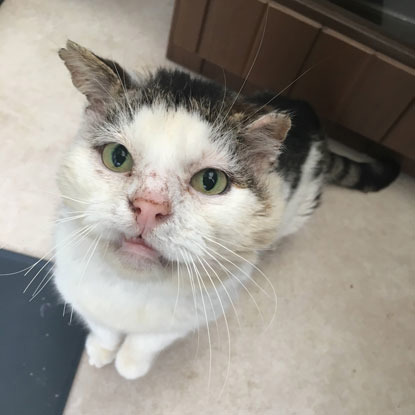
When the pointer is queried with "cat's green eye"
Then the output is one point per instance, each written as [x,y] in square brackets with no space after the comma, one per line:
[117,158]
[210,181]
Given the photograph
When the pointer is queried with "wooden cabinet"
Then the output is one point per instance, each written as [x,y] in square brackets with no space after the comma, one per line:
[225,44]
[335,62]
[187,23]
[380,95]
[401,136]
[348,78]
[277,56]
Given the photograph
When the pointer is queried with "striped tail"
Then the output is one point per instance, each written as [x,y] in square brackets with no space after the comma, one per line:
[366,177]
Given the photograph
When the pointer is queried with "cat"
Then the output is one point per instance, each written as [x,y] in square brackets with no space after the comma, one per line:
[170,190]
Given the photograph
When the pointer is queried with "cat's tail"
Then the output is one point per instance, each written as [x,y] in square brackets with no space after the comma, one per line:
[366,177]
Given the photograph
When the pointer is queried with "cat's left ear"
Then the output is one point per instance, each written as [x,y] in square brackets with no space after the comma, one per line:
[263,138]
[100,80]
[273,125]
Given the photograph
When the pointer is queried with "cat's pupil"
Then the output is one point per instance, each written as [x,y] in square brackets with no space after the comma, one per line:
[119,155]
[210,179]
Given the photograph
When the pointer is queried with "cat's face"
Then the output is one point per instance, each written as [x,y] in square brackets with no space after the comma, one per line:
[162,176]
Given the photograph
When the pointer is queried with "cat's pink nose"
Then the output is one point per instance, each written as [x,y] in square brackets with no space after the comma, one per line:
[149,213]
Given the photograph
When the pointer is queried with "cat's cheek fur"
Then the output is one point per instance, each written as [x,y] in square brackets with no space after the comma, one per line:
[82,177]
[240,216]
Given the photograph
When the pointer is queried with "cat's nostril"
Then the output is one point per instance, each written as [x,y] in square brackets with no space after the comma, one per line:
[160,216]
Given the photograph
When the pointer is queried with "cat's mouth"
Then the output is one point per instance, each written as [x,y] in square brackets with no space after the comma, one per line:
[139,248]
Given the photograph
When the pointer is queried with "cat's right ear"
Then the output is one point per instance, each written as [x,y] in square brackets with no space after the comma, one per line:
[100,80]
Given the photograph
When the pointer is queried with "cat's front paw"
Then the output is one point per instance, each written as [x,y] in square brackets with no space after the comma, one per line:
[131,366]
[98,355]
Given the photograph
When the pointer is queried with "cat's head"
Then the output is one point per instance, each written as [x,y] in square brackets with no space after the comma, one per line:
[170,167]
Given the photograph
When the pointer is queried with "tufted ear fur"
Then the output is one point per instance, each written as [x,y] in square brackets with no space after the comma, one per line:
[263,138]
[100,80]
[273,124]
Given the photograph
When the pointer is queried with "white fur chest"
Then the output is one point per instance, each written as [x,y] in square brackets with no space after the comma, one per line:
[123,305]
[101,296]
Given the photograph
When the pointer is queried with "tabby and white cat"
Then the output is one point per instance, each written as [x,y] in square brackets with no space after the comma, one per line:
[171,189]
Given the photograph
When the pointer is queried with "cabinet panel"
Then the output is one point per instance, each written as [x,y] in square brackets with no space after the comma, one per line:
[401,137]
[334,64]
[362,91]
[379,96]
[187,23]
[184,57]
[229,32]
[286,42]
[227,79]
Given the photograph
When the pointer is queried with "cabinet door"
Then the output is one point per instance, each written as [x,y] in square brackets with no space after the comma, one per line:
[332,68]
[278,53]
[187,23]
[401,136]
[229,32]
[379,96]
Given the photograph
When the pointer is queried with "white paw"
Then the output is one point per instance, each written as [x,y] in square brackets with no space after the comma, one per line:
[98,356]
[130,366]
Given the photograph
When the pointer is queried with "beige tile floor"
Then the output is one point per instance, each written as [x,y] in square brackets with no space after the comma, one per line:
[343,340]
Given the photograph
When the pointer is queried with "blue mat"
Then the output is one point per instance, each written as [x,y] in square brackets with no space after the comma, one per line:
[39,349]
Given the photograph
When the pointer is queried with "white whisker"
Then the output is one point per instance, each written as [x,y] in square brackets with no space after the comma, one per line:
[239,247]
[261,273]
[178,288]
[30,267]
[70,218]
[85,202]
[225,318]
[40,287]
[73,236]
[207,326]
[192,285]
[208,296]
[252,65]
[251,116]
[223,99]
[70,318]
[232,275]
[245,273]
[70,237]
[223,286]
[94,244]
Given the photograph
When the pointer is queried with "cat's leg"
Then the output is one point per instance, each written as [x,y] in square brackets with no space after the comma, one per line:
[138,351]
[101,344]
